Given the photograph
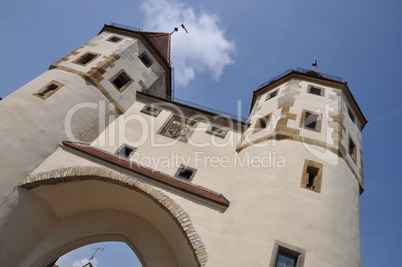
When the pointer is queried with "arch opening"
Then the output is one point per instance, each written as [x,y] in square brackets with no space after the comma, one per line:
[95,204]
[108,253]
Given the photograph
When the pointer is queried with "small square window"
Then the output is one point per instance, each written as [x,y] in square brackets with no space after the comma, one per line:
[185,173]
[315,90]
[125,151]
[151,109]
[86,58]
[271,95]
[310,121]
[145,59]
[48,90]
[262,123]
[121,81]
[114,39]
[178,128]
[351,115]
[216,131]
[352,150]
[284,255]
[312,176]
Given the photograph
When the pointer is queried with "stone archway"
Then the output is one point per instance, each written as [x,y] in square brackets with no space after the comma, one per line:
[110,202]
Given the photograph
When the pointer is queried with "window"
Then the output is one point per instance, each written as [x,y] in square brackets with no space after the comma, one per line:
[284,255]
[311,121]
[352,149]
[271,95]
[315,90]
[145,59]
[285,260]
[185,172]
[125,151]
[312,176]
[86,58]
[351,115]
[121,81]
[114,39]
[178,128]
[216,131]
[262,123]
[48,90]
[152,110]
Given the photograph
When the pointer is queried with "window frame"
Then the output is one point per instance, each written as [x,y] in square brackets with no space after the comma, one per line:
[183,168]
[317,181]
[312,87]
[318,123]
[213,131]
[116,76]
[77,61]
[354,154]
[125,146]
[155,110]
[269,95]
[110,39]
[283,247]
[146,59]
[49,92]
[266,119]
[351,114]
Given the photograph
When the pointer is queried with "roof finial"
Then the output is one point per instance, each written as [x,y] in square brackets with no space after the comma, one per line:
[315,64]
[176,29]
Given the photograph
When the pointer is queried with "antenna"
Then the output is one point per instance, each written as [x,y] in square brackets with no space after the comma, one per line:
[177,28]
[315,64]
[96,250]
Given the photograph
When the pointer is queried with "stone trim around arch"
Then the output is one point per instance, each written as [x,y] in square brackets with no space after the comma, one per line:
[72,174]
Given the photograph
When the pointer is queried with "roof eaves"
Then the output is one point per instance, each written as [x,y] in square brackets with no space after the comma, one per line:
[189,188]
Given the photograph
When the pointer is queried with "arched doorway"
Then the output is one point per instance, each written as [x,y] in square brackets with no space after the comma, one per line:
[95,204]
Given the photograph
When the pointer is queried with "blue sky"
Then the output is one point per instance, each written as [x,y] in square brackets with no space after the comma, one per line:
[249,42]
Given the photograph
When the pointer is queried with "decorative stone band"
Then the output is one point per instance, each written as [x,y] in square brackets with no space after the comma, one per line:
[72,174]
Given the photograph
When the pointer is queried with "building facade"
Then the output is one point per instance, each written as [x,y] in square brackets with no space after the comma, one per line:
[95,149]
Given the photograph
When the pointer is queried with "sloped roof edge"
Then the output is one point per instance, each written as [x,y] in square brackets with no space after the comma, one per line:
[190,188]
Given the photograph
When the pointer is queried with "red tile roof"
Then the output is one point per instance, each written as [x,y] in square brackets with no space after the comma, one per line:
[193,189]
[161,41]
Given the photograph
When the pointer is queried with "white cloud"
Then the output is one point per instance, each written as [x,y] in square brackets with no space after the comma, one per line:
[84,261]
[203,49]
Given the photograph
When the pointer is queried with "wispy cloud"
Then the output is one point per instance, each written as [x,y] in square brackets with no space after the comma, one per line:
[84,261]
[204,49]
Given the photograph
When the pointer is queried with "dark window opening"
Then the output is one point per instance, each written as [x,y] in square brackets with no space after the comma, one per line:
[85,59]
[311,120]
[185,172]
[114,39]
[352,149]
[312,173]
[145,59]
[125,151]
[261,123]
[285,260]
[351,115]
[272,95]
[264,122]
[48,90]
[315,91]
[121,80]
